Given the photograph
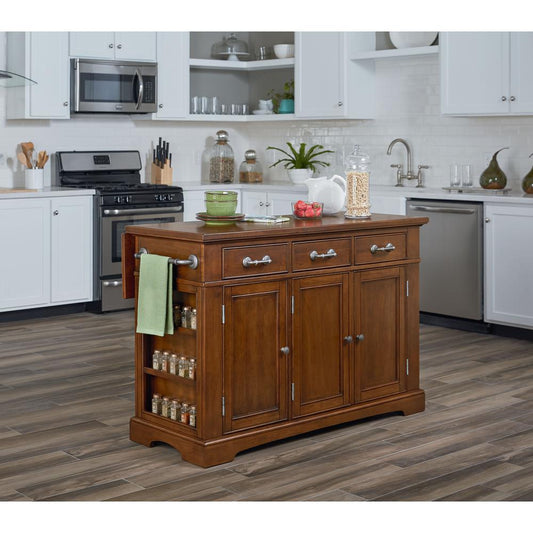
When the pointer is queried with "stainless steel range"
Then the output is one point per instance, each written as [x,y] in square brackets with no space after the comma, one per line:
[121,200]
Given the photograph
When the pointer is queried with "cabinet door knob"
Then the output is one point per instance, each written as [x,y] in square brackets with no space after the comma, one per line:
[110,45]
[119,46]
[261,204]
[487,220]
[504,98]
[65,104]
[267,204]
[285,350]
[348,339]
[56,212]
[340,104]
[360,337]
[512,98]
[160,106]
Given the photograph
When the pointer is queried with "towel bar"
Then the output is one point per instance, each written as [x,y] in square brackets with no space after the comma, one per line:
[191,262]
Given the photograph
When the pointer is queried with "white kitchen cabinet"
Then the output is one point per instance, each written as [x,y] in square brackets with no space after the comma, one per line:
[173,75]
[42,57]
[508,265]
[261,203]
[47,251]
[128,45]
[486,73]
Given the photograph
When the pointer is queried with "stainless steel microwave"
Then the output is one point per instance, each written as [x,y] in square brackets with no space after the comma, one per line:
[100,86]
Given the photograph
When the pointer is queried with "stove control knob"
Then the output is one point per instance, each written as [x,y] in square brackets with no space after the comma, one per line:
[127,199]
[118,199]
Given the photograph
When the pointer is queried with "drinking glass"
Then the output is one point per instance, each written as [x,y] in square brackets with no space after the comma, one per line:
[466,175]
[214,105]
[204,105]
[245,109]
[195,105]
[235,109]
[455,175]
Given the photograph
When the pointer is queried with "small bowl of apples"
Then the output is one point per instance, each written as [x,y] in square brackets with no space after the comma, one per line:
[307,210]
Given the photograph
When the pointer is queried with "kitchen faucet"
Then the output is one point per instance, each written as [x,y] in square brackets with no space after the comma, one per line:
[409,175]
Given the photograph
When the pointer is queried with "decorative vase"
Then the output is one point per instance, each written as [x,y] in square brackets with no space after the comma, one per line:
[527,182]
[299,175]
[493,177]
[286,106]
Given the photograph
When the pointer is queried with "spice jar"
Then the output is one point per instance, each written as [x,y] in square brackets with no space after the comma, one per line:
[175,410]
[192,369]
[156,360]
[184,415]
[221,160]
[173,365]
[183,369]
[176,315]
[165,407]
[192,416]
[250,170]
[193,318]
[185,316]
[357,184]
[156,403]
[165,359]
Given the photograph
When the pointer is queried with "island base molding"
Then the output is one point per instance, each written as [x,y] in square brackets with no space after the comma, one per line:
[224,449]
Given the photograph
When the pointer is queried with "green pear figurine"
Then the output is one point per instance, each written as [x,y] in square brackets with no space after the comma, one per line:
[493,177]
[527,182]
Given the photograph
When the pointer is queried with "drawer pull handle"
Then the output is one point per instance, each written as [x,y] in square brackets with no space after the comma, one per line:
[389,247]
[315,255]
[248,262]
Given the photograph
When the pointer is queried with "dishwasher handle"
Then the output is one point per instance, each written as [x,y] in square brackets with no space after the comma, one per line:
[457,210]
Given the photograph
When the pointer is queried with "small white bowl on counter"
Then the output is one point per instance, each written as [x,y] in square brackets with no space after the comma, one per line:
[283,51]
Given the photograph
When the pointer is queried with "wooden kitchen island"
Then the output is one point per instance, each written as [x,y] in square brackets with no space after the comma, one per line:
[300,326]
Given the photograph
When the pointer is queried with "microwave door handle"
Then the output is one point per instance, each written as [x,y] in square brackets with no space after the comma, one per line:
[141,89]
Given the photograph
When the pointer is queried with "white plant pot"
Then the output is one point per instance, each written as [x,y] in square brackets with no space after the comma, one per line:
[299,175]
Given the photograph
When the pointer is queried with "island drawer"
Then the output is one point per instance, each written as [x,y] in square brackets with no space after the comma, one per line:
[326,253]
[244,261]
[380,248]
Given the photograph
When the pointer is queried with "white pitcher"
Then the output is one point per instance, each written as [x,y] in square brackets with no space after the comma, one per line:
[330,191]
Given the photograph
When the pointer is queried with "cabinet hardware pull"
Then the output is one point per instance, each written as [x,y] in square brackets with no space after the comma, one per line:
[457,210]
[487,220]
[110,45]
[285,350]
[389,247]
[512,98]
[360,337]
[504,98]
[348,339]
[56,212]
[160,106]
[65,104]
[248,262]
[261,204]
[191,262]
[315,255]
[119,46]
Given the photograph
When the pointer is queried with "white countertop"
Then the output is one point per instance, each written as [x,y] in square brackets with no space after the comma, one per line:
[46,192]
[512,197]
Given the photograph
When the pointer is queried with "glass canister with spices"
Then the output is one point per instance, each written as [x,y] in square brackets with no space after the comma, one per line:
[250,170]
[357,184]
[221,160]
[156,403]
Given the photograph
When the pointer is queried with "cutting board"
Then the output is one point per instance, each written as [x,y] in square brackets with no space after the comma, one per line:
[5,189]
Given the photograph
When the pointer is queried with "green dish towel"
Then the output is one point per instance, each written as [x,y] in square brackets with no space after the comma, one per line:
[154,300]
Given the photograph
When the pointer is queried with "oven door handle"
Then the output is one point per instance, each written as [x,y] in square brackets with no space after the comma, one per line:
[150,211]
[141,88]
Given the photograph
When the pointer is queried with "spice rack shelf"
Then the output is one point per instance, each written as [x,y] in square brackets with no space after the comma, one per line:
[162,419]
[167,375]
[184,331]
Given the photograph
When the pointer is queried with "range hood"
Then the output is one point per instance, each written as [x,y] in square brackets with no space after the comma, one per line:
[10,79]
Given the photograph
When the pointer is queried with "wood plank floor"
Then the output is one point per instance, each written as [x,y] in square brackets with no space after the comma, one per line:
[66,396]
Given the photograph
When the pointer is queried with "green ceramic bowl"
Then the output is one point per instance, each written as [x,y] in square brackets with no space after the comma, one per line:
[220,203]
[223,196]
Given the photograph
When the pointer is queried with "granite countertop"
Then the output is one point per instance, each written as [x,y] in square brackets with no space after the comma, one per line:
[45,192]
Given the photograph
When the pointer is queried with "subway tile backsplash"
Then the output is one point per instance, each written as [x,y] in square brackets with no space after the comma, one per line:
[408,106]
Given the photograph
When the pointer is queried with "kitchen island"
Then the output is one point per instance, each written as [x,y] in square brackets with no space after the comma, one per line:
[299,326]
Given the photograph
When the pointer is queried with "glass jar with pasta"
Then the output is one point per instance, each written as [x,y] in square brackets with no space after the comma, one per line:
[357,184]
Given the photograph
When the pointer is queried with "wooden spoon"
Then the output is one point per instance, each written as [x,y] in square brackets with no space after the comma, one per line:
[27,149]
[40,159]
[22,158]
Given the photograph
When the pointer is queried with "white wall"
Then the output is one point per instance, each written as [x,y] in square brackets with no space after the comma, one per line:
[408,106]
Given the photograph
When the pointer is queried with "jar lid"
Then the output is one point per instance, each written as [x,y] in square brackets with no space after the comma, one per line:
[222,135]
[250,154]
[357,157]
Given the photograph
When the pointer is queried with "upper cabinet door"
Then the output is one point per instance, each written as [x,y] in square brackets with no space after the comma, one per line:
[474,72]
[93,44]
[521,92]
[135,45]
[319,77]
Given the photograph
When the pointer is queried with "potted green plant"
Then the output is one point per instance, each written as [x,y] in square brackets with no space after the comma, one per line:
[283,102]
[301,162]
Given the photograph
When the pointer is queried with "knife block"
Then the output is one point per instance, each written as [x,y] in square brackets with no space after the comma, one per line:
[162,175]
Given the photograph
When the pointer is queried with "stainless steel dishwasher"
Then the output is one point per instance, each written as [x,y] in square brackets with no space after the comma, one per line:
[451,250]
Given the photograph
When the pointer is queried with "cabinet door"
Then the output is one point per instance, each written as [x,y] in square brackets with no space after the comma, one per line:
[135,45]
[279,203]
[172,75]
[25,245]
[508,265]
[92,44]
[380,318]
[521,92]
[474,72]
[319,76]
[49,67]
[255,368]
[72,249]
[193,202]
[254,203]
[321,377]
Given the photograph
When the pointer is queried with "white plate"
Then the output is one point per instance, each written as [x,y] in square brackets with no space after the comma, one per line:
[262,112]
